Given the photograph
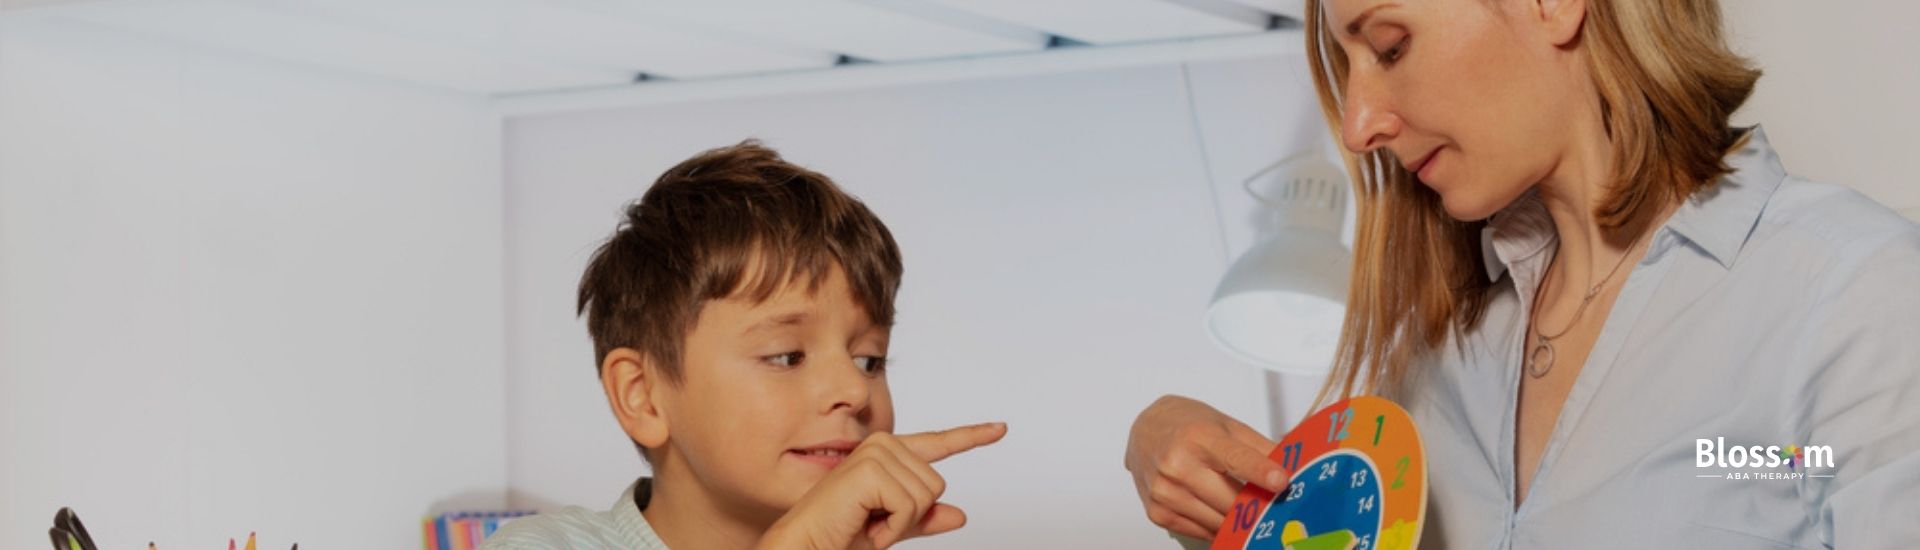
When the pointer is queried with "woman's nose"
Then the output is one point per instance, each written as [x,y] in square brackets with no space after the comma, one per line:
[1367,120]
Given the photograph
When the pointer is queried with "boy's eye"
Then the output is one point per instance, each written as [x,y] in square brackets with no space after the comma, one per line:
[871,364]
[788,359]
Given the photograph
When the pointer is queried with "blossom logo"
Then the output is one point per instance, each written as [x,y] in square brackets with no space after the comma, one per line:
[1762,462]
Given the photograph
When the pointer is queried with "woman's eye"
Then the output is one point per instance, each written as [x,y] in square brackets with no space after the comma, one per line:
[788,359]
[871,364]
[1394,53]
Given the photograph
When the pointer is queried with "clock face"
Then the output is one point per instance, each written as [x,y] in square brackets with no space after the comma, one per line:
[1357,479]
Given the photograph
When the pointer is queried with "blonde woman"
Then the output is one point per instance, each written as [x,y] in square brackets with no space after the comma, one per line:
[1583,283]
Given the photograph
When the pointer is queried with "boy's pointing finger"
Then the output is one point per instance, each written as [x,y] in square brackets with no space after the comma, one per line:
[933,446]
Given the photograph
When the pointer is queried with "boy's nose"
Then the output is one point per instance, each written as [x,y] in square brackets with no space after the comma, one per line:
[847,387]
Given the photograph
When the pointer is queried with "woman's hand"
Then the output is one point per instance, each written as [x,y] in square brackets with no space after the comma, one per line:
[1189,461]
[886,491]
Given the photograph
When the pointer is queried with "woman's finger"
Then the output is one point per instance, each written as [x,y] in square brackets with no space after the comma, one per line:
[1167,519]
[1250,437]
[1182,502]
[1213,488]
[1187,527]
[1230,456]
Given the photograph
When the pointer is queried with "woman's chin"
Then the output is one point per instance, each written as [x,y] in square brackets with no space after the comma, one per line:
[1468,208]
[1461,204]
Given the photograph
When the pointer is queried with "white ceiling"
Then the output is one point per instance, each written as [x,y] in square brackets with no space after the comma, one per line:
[514,47]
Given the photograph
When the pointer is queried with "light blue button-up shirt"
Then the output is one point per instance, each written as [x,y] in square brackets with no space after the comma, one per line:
[1768,311]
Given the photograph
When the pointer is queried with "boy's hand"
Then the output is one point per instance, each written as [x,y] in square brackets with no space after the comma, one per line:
[883,493]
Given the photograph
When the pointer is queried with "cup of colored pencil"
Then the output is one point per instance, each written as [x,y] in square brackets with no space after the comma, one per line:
[69,534]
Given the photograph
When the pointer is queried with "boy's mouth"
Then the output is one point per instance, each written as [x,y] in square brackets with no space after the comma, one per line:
[827,454]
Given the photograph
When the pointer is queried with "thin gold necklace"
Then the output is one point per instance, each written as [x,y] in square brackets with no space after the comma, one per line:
[1543,344]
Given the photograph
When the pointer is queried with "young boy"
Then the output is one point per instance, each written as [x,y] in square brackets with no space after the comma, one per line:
[740,317]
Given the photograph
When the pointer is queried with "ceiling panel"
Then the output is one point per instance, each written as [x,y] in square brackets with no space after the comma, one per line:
[23,4]
[530,46]
[606,33]
[270,31]
[878,30]
[580,34]
[1117,21]
[1289,8]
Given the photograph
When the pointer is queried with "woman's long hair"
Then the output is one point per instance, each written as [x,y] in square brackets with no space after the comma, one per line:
[1667,84]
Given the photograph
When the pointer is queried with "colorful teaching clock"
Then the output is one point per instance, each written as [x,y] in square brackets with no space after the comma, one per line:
[1357,480]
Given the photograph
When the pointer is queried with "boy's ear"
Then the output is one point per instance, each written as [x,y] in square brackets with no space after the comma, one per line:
[632,383]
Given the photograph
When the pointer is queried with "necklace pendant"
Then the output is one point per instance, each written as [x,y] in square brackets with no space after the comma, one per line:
[1540,359]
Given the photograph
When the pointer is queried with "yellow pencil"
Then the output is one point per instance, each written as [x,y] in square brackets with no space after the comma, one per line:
[250,541]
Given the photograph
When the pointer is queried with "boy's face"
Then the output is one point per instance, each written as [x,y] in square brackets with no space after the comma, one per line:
[775,394]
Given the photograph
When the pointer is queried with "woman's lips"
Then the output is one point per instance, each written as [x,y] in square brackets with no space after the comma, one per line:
[1425,169]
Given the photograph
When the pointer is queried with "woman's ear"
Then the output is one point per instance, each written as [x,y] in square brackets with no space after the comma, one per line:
[1563,19]
[633,383]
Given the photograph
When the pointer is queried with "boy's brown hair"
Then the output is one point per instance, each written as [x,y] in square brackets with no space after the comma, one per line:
[704,224]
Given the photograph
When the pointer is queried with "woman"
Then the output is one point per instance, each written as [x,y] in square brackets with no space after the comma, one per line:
[1583,284]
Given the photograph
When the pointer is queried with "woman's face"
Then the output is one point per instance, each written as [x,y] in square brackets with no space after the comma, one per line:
[1477,97]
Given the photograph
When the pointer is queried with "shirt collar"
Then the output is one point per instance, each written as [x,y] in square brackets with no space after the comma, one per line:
[1516,234]
[629,522]
[1717,219]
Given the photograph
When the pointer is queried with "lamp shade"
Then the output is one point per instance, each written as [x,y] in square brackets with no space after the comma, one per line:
[1281,304]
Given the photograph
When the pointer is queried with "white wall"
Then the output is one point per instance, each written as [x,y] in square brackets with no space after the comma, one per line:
[1838,95]
[240,296]
[1061,242]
